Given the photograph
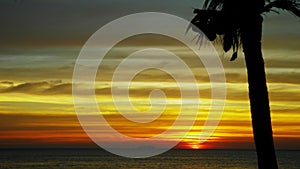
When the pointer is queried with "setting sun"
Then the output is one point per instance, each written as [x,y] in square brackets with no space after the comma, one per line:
[195,146]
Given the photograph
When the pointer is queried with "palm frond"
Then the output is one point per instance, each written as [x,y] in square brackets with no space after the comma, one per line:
[218,4]
[234,56]
[213,4]
[222,17]
[289,5]
[210,20]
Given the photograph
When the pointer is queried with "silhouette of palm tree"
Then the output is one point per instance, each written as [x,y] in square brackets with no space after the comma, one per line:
[240,22]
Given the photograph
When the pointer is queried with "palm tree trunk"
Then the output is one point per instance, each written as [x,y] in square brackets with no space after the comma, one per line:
[251,31]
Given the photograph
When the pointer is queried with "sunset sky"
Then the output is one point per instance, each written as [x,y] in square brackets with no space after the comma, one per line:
[39,44]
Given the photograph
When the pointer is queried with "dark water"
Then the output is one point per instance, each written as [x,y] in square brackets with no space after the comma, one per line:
[174,159]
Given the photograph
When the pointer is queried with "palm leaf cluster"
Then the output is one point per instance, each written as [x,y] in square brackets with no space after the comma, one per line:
[289,5]
[223,18]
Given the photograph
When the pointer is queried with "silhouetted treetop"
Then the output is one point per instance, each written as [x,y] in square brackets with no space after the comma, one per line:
[225,17]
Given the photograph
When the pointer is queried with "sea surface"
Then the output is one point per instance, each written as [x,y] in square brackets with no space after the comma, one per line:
[173,159]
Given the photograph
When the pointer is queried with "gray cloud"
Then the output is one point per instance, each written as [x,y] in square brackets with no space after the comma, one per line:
[54,22]
[43,87]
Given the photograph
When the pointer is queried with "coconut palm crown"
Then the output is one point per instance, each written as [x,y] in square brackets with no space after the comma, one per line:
[223,17]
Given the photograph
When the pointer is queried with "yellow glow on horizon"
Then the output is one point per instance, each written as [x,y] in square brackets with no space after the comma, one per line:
[37,110]
[235,122]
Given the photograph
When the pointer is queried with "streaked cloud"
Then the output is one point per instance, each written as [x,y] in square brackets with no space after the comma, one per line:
[40,41]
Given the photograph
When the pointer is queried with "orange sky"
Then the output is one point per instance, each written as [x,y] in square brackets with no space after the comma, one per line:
[36,104]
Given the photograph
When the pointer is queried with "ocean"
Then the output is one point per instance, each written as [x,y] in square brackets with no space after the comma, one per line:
[173,159]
